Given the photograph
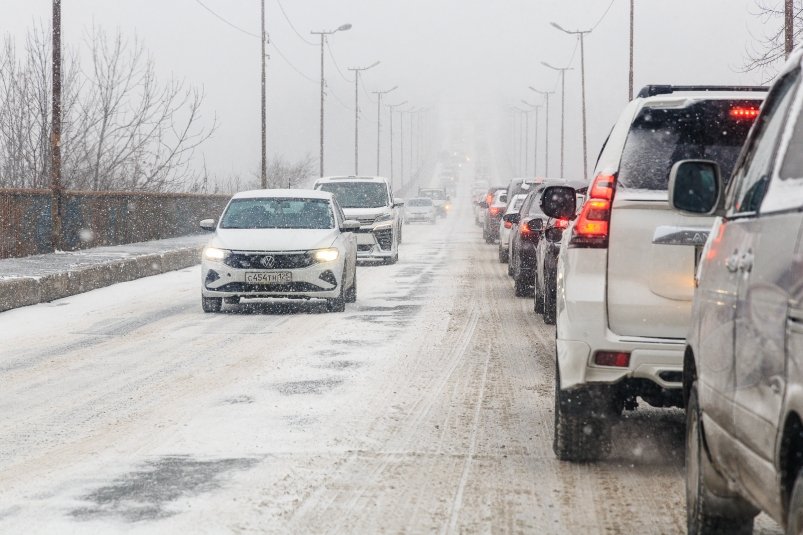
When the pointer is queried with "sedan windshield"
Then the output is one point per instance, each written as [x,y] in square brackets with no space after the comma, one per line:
[275,213]
[358,194]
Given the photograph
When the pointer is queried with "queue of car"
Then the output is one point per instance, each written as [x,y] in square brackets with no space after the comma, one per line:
[675,279]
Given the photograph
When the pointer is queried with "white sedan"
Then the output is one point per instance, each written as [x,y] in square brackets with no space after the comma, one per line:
[280,243]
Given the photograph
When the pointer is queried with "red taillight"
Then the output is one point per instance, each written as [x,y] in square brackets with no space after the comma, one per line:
[591,229]
[489,199]
[744,112]
[524,230]
[561,223]
[508,224]
[494,211]
[618,359]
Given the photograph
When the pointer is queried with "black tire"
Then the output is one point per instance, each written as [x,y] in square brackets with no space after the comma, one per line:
[794,519]
[337,304]
[433,221]
[550,298]
[706,512]
[582,425]
[390,260]
[351,294]
[538,297]
[211,304]
[502,254]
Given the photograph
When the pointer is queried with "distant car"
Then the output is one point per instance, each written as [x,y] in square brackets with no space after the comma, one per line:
[493,216]
[370,201]
[522,185]
[420,209]
[504,226]
[280,243]
[440,199]
[546,259]
[743,359]
[625,270]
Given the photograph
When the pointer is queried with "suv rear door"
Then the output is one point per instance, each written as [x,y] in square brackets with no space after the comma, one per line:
[652,251]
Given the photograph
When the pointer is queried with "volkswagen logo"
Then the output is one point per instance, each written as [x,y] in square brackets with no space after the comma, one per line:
[267,262]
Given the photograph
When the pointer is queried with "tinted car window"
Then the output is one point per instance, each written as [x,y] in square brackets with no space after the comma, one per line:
[660,137]
[419,202]
[358,194]
[275,213]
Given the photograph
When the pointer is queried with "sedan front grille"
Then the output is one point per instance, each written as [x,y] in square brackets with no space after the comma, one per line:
[269,260]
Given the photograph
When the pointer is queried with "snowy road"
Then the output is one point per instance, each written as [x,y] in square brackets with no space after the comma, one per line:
[425,407]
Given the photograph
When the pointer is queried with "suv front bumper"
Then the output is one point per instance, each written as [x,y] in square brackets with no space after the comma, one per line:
[376,241]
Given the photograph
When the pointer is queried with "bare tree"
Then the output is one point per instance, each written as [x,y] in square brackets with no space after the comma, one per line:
[281,174]
[123,128]
[767,51]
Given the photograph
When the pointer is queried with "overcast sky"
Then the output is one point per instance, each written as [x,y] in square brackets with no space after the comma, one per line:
[463,58]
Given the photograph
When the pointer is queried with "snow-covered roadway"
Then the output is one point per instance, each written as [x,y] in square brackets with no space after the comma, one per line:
[425,407]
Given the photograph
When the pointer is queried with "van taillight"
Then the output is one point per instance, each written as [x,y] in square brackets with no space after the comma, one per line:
[561,223]
[591,229]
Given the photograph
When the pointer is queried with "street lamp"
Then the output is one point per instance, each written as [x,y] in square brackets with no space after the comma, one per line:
[392,108]
[357,71]
[379,95]
[536,108]
[323,35]
[562,71]
[546,104]
[581,34]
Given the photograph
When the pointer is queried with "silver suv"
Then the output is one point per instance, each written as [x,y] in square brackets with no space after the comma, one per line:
[743,361]
[370,201]
[624,283]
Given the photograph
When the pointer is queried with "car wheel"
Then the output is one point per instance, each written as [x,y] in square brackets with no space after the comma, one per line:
[502,254]
[582,429]
[351,295]
[550,304]
[538,297]
[794,520]
[337,304]
[433,221]
[211,304]
[706,512]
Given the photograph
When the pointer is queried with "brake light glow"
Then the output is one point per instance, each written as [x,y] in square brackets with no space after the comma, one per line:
[524,230]
[508,224]
[561,223]
[744,112]
[494,211]
[618,359]
[591,229]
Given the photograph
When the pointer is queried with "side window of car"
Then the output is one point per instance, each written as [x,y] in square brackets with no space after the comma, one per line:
[751,178]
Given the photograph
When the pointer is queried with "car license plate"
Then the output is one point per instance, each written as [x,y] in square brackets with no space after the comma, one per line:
[268,278]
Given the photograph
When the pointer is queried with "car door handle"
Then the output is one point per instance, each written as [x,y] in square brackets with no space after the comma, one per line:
[732,263]
[746,262]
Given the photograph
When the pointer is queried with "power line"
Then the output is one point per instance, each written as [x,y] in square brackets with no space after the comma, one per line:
[337,67]
[603,16]
[239,29]
[284,13]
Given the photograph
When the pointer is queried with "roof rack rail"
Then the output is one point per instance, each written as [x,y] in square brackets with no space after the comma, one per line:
[653,90]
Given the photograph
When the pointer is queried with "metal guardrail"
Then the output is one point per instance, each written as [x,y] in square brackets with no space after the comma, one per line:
[93,219]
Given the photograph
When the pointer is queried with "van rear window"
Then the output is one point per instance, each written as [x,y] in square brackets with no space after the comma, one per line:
[658,138]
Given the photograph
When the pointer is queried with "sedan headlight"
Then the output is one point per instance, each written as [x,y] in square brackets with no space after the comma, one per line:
[383,217]
[211,253]
[326,255]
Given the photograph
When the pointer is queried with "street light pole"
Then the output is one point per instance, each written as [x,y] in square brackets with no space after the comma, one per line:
[546,104]
[323,35]
[379,95]
[392,108]
[581,34]
[632,37]
[264,174]
[55,135]
[789,27]
[562,71]
[357,71]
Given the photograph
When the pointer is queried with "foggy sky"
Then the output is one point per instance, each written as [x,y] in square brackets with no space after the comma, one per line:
[464,58]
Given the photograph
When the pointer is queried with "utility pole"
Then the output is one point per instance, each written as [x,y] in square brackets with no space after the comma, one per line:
[789,27]
[55,136]
[546,104]
[323,35]
[379,95]
[357,71]
[632,37]
[581,34]
[562,71]
[391,109]
[264,104]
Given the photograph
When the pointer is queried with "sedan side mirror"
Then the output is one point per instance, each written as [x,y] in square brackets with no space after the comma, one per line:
[350,225]
[398,203]
[535,224]
[208,224]
[512,218]
[559,202]
[695,188]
